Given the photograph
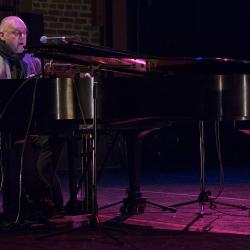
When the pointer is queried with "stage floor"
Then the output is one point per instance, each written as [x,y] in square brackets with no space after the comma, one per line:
[221,227]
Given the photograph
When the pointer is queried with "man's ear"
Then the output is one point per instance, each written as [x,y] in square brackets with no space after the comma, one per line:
[2,36]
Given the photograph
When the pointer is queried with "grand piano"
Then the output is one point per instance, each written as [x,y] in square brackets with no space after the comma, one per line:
[135,86]
[132,92]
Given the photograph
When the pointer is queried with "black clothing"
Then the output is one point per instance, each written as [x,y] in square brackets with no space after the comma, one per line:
[40,183]
[17,66]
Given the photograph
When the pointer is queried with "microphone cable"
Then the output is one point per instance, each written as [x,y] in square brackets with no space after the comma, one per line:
[22,153]
[82,111]
[15,93]
[1,163]
[5,108]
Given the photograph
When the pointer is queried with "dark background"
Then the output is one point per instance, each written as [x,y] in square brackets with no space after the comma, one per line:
[190,28]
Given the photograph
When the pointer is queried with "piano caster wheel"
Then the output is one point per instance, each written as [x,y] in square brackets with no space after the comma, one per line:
[73,207]
[135,206]
[124,210]
[212,205]
[78,207]
[94,220]
[140,209]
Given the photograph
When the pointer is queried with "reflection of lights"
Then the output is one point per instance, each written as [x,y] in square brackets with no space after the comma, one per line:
[199,58]
[141,61]
[121,61]
[137,64]
[220,83]
[245,95]
[245,131]
[224,59]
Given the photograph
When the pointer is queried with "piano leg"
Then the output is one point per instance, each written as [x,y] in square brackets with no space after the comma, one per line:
[204,195]
[135,203]
[74,205]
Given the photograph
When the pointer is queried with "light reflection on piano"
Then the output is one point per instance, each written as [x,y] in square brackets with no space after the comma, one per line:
[178,88]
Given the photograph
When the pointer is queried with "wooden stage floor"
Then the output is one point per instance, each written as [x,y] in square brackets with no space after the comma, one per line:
[221,227]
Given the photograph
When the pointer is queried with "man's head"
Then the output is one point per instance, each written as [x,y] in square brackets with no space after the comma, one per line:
[13,32]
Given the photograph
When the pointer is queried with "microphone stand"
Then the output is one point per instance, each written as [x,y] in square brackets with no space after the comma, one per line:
[93,219]
[204,195]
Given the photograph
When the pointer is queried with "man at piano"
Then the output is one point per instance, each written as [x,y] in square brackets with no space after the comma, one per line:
[16,64]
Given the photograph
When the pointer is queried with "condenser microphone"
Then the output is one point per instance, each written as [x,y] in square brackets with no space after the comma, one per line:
[56,39]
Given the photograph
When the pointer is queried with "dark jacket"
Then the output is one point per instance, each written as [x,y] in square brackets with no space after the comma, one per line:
[17,66]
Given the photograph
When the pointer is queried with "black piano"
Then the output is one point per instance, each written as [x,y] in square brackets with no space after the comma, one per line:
[131,92]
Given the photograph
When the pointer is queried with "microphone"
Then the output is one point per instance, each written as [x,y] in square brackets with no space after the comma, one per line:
[56,39]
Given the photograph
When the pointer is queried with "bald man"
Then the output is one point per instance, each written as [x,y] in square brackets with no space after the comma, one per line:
[14,63]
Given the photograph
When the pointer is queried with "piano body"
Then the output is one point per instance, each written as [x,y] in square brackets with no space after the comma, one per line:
[174,97]
[141,86]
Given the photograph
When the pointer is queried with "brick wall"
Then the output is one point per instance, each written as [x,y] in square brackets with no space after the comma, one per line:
[8,7]
[64,17]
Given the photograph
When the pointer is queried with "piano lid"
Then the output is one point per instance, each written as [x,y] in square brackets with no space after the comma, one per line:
[73,54]
[108,59]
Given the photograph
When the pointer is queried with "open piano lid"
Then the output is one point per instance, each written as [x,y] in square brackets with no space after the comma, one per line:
[108,59]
